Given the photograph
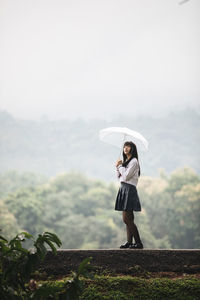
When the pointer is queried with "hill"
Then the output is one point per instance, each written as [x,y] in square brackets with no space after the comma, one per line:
[51,147]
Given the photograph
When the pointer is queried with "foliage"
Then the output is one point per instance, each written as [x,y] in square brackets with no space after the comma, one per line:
[104,287]
[127,287]
[8,221]
[11,181]
[17,265]
[69,289]
[173,206]
[72,202]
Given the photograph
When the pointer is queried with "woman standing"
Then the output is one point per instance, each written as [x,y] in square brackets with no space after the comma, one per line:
[127,199]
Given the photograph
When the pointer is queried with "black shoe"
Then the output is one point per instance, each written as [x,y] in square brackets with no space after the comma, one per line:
[126,245]
[136,246]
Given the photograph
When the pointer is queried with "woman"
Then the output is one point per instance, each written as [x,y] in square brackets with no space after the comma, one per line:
[127,199]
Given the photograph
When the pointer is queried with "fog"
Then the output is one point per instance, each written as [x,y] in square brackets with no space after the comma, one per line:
[89,59]
[73,68]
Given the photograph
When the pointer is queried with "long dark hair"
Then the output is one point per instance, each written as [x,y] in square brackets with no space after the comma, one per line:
[133,153]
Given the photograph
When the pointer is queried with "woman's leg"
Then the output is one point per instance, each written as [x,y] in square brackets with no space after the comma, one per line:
[131,228]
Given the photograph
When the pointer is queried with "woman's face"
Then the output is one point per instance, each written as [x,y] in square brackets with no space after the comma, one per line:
[127,150]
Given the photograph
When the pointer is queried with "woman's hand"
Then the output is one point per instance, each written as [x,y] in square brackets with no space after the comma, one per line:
[119,162]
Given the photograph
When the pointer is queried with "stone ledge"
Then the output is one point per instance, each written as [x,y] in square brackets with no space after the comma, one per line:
[122,261]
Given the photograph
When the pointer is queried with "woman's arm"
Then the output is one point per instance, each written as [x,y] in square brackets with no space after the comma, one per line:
[128,172]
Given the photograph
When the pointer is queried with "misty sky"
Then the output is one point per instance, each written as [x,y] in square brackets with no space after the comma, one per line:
[89,58]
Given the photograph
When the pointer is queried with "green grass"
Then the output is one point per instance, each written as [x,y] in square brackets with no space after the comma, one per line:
[127,287]
[107,287]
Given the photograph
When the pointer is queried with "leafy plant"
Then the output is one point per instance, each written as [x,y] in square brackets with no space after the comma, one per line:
[17,265]
[69,289]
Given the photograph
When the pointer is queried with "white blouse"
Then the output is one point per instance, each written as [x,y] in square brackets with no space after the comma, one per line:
[129,174]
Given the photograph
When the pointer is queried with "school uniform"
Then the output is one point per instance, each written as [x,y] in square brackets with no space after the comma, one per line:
[127,197]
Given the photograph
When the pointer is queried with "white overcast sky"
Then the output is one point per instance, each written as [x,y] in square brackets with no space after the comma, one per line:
[89,58]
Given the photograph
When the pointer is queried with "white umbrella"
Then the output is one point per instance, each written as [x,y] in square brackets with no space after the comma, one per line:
[117,136]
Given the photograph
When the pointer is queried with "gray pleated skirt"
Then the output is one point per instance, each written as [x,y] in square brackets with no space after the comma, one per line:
[127,198]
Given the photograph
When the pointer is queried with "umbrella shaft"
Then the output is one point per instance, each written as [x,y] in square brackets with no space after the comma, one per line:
[121,150]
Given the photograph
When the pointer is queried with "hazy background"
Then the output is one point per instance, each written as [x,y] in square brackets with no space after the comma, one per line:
[88,59]
[71,68]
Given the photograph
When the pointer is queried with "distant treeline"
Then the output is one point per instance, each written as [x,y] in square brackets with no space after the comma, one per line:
[51,147]
[80,210]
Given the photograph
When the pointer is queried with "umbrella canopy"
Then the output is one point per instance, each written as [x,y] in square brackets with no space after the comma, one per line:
[118,135]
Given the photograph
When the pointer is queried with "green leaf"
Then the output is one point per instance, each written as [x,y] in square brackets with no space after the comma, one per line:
[2,238]
[53,248]
[83,267]
[54,238]
[41,250]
